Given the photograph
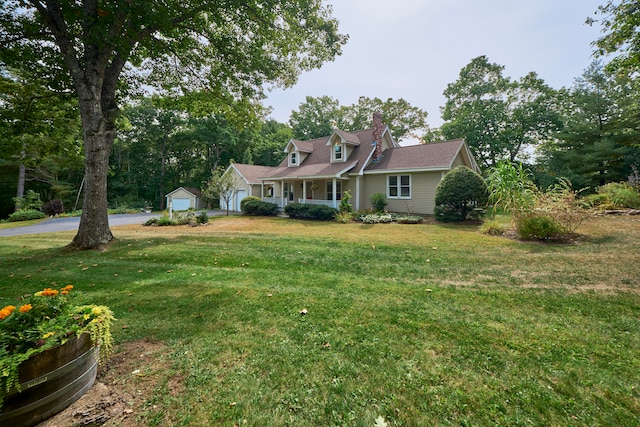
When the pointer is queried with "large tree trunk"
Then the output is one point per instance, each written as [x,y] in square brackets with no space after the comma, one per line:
[99,134]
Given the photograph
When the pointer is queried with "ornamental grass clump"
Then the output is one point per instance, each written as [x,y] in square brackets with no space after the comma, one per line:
[45,320]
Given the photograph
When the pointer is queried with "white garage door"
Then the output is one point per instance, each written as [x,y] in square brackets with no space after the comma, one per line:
[181,204]
[241,194]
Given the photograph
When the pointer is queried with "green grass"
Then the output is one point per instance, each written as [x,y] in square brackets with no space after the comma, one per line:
[420,324]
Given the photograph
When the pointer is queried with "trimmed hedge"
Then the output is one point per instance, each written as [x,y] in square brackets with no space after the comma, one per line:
[260,208]
[304,211]
[460,193]
[247,200]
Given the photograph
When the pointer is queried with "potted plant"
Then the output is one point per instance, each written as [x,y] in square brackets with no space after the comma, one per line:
[49,350]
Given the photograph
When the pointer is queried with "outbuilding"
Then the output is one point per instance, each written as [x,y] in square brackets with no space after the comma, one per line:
[184,198]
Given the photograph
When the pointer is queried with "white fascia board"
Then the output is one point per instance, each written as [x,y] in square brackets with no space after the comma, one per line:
[393,140]
[411,170]
[232,165]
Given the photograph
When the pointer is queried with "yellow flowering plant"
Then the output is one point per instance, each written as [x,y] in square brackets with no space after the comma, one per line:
[44,320]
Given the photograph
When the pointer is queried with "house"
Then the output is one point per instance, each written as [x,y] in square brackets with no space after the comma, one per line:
[184,198]
[365,162]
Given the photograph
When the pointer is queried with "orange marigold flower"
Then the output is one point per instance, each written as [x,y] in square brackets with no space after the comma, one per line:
[67,288]
[64,292]
[24,308]
[6,312]
[48,292]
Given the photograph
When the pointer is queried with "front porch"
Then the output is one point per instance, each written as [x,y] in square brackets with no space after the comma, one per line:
[311,192]
[282,202]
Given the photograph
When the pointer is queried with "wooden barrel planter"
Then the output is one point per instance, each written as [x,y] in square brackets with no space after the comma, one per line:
[51,381]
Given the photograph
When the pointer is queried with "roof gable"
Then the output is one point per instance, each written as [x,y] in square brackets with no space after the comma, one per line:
[192,190]
[297,145]
[344,138]
[252,174]
[318,164]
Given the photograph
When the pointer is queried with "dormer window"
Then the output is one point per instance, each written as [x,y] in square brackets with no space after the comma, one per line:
[337,152]
[293,158]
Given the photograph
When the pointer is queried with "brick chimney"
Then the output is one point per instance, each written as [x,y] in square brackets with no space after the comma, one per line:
[378,128]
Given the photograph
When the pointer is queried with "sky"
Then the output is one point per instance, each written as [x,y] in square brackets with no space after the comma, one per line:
[412,49]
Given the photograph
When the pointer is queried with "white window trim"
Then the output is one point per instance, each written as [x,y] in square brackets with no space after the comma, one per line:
[329,194]
[399,196]
[342,151]
[294,157]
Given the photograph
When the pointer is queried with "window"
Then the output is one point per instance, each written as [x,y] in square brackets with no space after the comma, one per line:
[288,191]
[338,190]
[337,152]
[293,158]
[399,186]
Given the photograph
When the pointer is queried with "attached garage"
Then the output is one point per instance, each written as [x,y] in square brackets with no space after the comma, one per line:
[184,198]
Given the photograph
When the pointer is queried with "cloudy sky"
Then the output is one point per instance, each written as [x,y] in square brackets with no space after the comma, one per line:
[413,49]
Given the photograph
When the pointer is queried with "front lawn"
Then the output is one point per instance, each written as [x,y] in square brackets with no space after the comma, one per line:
[418,325]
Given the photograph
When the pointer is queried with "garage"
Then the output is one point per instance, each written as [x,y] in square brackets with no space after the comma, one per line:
[184,198]
[181,204]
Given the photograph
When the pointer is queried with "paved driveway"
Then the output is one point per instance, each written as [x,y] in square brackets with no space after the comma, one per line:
[71,224]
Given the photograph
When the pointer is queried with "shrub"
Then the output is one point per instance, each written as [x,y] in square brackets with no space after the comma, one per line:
[260,208]
[538,226]
[375,218]
[492,228]
[344,217]
[322,212]
[297,210]
[307,211]
[378,201]
[371,219]
[203,218]
[30,202]
[25,215]
[53,207]
[560,202]
[598,201]
[621,194]
[247,200]
[459,193]
[165,221]
[357,216]
[345,206]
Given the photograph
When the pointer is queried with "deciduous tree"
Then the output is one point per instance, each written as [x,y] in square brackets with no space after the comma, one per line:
[233,48]
[499,118]
[620,20]
[39,129]
[317,116]
[222,185]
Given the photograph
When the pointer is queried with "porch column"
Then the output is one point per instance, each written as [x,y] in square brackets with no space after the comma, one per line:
[261,190]
[282,193]
[334,193]
[304,190]
[357,195]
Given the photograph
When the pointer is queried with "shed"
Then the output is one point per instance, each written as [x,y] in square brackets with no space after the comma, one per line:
[184,198]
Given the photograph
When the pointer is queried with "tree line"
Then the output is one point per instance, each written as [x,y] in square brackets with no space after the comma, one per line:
[60,137]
